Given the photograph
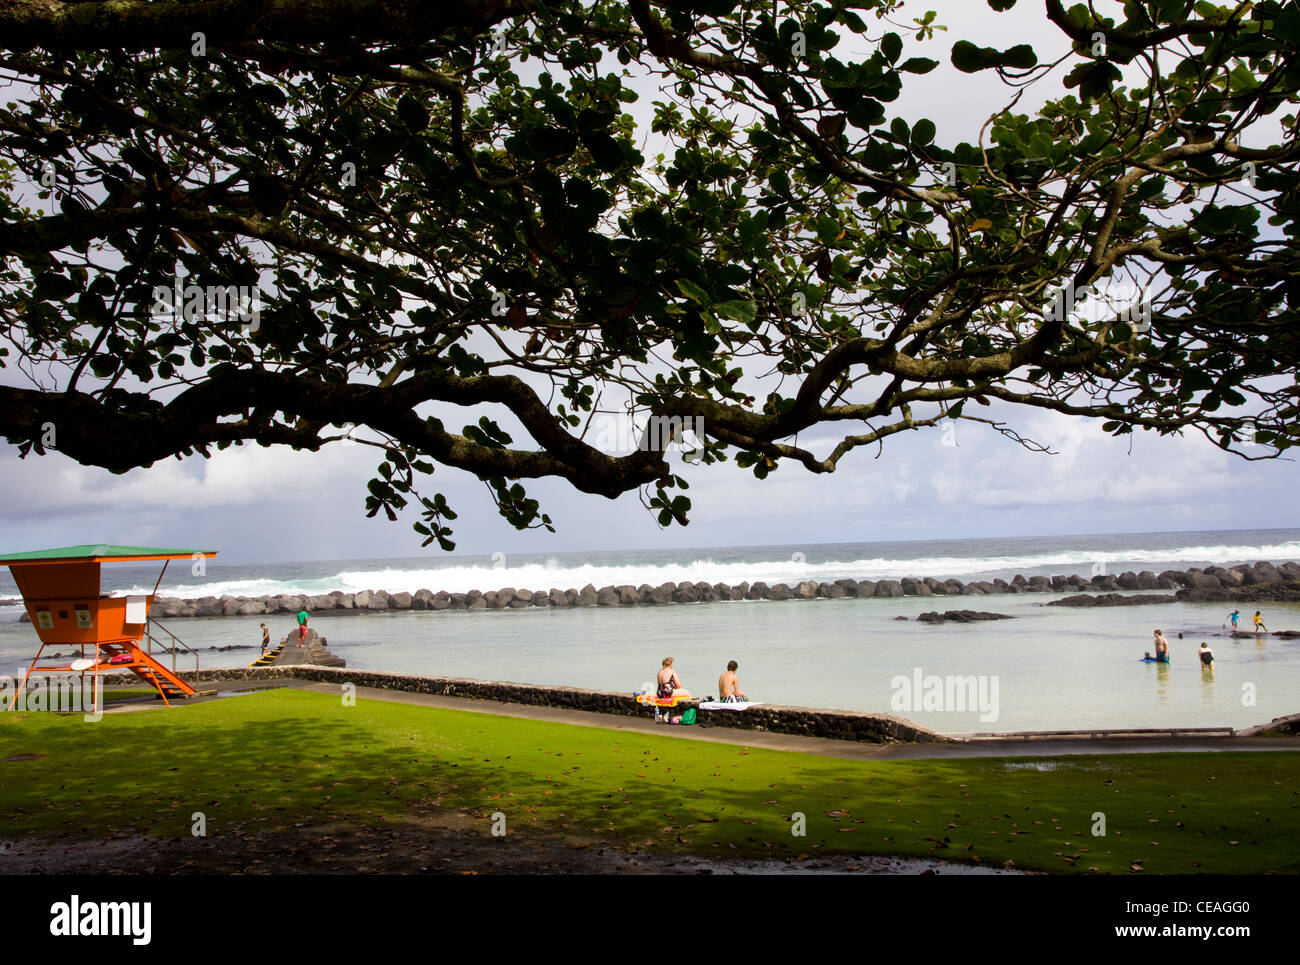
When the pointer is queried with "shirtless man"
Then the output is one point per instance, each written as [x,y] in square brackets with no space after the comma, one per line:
[729,686]
[1162,647]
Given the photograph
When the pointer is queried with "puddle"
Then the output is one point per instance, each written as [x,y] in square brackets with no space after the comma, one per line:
[1032,766]
[244,693]
[22,757]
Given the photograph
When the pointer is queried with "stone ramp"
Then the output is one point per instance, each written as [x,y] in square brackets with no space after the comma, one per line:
[294,652]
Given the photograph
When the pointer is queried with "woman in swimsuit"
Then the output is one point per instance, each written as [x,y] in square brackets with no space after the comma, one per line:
[669,685]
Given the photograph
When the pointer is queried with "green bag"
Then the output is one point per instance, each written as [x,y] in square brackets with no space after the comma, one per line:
[688,715]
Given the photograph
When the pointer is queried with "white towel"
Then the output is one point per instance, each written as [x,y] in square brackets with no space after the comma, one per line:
[724,705]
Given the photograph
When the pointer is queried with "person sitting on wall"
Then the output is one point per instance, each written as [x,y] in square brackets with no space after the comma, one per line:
[729,686]
[669,685]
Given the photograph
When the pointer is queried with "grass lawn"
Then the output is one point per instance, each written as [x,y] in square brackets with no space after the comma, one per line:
[283,758]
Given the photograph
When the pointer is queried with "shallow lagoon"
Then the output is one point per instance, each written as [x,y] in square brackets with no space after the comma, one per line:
[1051,667]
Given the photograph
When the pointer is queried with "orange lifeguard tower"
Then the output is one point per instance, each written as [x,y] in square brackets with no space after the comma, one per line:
[60,588]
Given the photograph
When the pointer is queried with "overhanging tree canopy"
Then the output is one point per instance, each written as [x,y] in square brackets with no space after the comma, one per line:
[450,204]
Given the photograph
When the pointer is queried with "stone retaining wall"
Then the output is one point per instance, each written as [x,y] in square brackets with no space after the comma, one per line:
[810,722]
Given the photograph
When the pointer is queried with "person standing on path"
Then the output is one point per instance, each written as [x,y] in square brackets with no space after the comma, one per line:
[302,627]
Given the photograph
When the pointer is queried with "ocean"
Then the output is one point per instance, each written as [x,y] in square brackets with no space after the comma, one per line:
[1047,668]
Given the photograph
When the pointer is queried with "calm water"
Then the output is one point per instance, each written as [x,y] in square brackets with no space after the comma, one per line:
[1054,667]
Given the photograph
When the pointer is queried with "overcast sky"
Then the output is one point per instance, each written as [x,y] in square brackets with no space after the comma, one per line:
[256,504]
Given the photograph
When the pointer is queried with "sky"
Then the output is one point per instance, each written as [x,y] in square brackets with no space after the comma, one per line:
[256,504]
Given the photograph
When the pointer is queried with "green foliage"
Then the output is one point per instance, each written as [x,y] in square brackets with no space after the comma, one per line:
[472,219]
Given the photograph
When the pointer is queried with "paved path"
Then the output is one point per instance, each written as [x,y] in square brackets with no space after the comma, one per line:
[849,750]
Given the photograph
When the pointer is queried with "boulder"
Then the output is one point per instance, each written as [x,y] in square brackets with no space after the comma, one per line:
[441,601]
[889,588]
[1147,581]
[422,600]
[806,590]
[379,601]
[627,595]
[541,598]
[1059,583]
[343,601]
[504,597]
[490,599]
[607,596]
[478,603]
[587,596]
[1128,580]
[362,600]
[740,591]
[207,606]
[830,591]
[705,590]
[954,587]
[974,589]
[663,593]
[1040,584]
[758,591]
[1178,577]
[473,595]
[461,601]
[686,593]
[778,591]
[721,591]
[317,603]
[400,601]
[573,596]
[230,606]
[252,608]
[523,596]
[1266,573]
[866,588]
[558,597]
[850,587]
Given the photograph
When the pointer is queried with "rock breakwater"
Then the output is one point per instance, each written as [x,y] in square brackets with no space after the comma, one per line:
[1260,582]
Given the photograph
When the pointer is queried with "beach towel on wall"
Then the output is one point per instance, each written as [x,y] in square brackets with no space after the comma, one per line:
[729,705]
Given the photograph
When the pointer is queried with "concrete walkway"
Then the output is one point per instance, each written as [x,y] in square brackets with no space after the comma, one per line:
[848,750]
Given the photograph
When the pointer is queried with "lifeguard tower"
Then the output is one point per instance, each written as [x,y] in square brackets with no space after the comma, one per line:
[60,588]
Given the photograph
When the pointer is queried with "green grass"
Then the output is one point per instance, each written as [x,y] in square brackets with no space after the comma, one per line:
[112,695]
[285,757]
